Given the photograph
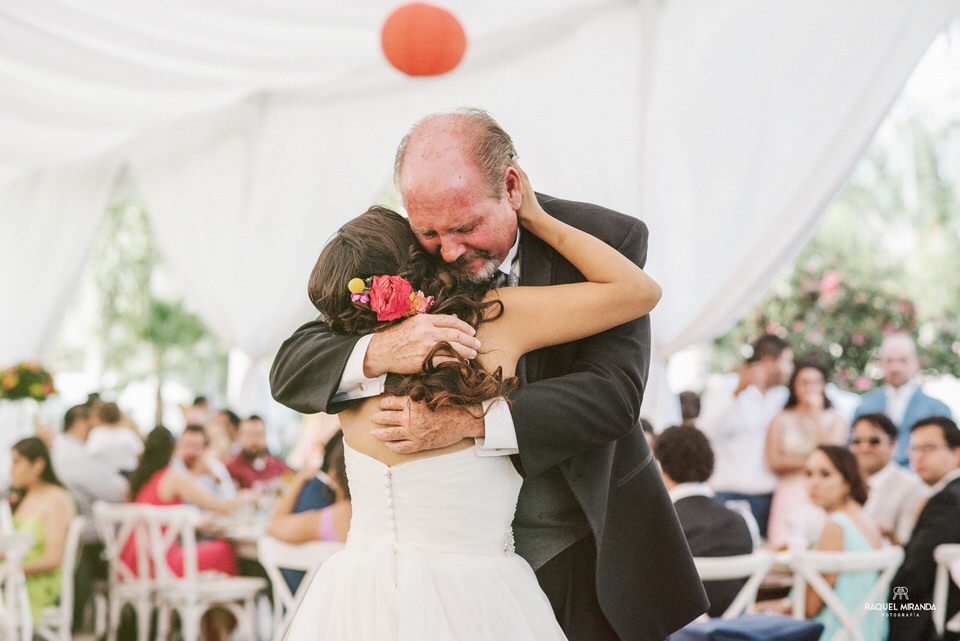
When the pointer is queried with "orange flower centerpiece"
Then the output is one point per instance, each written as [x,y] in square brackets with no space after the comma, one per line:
[26,380]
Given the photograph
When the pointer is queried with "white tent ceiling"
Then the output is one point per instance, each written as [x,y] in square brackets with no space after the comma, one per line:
[254,128]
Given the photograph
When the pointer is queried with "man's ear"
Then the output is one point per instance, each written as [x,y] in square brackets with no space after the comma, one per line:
[512,189]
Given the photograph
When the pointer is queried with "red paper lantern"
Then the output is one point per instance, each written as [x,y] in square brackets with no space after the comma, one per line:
[423,40]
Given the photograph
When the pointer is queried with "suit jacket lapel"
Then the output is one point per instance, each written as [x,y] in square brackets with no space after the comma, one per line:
[536,270]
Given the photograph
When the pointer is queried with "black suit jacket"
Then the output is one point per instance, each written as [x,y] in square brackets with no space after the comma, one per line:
[714,530]
[577,410]
[939,522]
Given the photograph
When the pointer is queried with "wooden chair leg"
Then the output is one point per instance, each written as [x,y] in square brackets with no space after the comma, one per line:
[143,621]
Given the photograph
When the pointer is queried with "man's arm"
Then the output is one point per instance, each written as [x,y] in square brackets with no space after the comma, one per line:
[306,372]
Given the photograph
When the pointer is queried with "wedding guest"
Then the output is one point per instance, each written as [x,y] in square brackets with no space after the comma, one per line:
[221,430]
[896,494]
[254,464]
[935,455]
[689,407]
[900,397]
[88,479]
[192,455]
[44,509]
[316,435]
[157,482]
[836,485]
[114,441]
[735,415]
[807,421]
[199,411]
[331,523]
[328,524]
[686,462]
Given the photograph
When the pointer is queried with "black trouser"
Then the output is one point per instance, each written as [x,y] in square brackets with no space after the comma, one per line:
[570,582]
[91,566]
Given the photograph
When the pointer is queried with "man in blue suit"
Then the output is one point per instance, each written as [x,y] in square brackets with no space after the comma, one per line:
[900,398]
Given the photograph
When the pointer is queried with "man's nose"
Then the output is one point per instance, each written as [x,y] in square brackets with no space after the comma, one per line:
[451,251]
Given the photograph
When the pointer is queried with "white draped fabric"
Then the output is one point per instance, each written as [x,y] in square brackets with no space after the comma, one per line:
[254,128]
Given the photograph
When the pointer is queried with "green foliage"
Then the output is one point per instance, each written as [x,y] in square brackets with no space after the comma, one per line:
[827,317]
[144,332]
[885,258]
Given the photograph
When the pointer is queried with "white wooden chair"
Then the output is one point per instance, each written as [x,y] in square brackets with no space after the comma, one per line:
[752,567]
[947,555]
[15,615]
[56,622]
[116,523]
[275,556]
[809,568]
[194,593]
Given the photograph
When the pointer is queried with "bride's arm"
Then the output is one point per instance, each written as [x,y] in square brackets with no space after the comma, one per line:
[616,291]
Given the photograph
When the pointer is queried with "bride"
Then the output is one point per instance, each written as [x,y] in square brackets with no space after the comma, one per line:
[429,556]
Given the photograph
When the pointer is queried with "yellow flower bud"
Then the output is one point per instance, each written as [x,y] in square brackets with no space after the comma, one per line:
[356,286]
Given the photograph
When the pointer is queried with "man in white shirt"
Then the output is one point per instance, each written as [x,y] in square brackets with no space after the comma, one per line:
[191,455]
[735,416]
[896,494]
[88,480]
[900,397]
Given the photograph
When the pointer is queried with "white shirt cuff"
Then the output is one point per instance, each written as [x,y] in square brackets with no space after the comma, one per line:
[353,384]
[501,434]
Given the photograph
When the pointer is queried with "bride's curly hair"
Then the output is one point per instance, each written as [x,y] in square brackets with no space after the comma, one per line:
[380,242]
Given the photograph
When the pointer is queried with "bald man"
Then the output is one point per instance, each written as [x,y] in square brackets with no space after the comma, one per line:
[900,397]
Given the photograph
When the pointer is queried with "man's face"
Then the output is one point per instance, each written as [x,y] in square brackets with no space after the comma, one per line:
[778,371]
[871,446]
[898,360]
[930,456]
[82,427]
[190,447]
[252,437]
[451,212]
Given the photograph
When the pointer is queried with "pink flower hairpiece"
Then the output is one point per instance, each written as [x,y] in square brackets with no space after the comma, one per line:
[391,297]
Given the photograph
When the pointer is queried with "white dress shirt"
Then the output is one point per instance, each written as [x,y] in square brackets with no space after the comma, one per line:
[501,433]
[685,490]
[737,429]
[117,447]
[894,500]
[86,478]
[897,400]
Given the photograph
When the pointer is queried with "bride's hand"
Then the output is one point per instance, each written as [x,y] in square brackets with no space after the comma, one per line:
[530,210]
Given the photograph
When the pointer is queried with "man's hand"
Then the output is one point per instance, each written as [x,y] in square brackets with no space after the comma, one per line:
[412,427]
[749,376]
[403,348]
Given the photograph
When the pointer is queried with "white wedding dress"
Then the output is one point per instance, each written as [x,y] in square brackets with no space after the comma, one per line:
[429,557]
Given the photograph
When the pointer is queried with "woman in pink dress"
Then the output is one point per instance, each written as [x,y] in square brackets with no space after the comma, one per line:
[154,482]
[806,422]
